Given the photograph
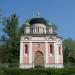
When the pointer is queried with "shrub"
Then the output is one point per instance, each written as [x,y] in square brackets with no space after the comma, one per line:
[38,71]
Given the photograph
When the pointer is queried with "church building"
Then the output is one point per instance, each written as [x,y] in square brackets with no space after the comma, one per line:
[40,45]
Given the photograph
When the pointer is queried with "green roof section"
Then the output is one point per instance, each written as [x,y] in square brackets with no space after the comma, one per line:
[27,22]
[50,24]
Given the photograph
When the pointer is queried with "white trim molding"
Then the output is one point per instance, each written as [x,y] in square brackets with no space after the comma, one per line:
[56,53]
[21,52]
[38,41]
[54,66]
[25,66]
[28,66]
[46,52]
[30,52]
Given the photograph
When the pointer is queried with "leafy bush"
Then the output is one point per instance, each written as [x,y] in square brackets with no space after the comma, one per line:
[41,71]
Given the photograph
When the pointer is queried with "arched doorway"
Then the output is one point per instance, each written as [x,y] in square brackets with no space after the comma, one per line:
[38,59]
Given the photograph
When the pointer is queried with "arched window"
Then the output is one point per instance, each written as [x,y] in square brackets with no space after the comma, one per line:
[26,48]
[51,48]
[43,30]
[59,50]
[32,30]
[38,29]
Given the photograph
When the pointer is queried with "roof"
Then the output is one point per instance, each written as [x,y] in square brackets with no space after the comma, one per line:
[27,23]
[40,20]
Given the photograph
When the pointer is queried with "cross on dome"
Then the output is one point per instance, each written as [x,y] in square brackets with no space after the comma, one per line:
[38,13]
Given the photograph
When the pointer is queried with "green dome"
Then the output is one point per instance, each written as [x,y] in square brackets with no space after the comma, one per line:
[50,23]
[27,23]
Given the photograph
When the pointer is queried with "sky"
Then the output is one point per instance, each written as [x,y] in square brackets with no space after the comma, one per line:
[59,12]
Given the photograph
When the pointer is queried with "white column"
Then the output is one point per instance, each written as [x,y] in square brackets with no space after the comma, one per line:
[21,52]
[30,52]
[35,29]
[51,30]
[46,56]
[56,53]
[41,30]
[44,30]
[62,52]
[62,56]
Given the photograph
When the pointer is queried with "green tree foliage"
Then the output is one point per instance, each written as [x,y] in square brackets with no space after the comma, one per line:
[69,50]
[11,26]
[21,30]
[10,49]
[11,40]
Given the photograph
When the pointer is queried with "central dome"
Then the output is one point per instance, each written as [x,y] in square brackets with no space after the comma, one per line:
[38,20]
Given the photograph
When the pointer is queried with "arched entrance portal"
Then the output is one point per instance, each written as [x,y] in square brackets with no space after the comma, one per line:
[38,59]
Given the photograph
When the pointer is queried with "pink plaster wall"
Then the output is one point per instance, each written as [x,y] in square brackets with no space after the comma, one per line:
[60,59]
[41,48]
[25,56]
[60,55]
[35,48]
[25,59]
[51,58]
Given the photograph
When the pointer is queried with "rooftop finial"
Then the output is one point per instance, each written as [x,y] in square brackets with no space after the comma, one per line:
[38,13]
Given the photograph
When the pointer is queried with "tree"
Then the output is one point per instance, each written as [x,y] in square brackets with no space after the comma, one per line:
[10,28]
[69,50]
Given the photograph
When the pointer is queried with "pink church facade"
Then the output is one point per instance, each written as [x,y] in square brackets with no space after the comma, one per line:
[40,45]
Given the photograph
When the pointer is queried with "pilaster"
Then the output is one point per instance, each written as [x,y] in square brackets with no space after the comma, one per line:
[30,52]
[46,51]
[56,53]
[21,52]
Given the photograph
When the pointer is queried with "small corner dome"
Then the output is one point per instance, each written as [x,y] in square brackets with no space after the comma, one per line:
[39,20]
[50,23]
[27,22]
